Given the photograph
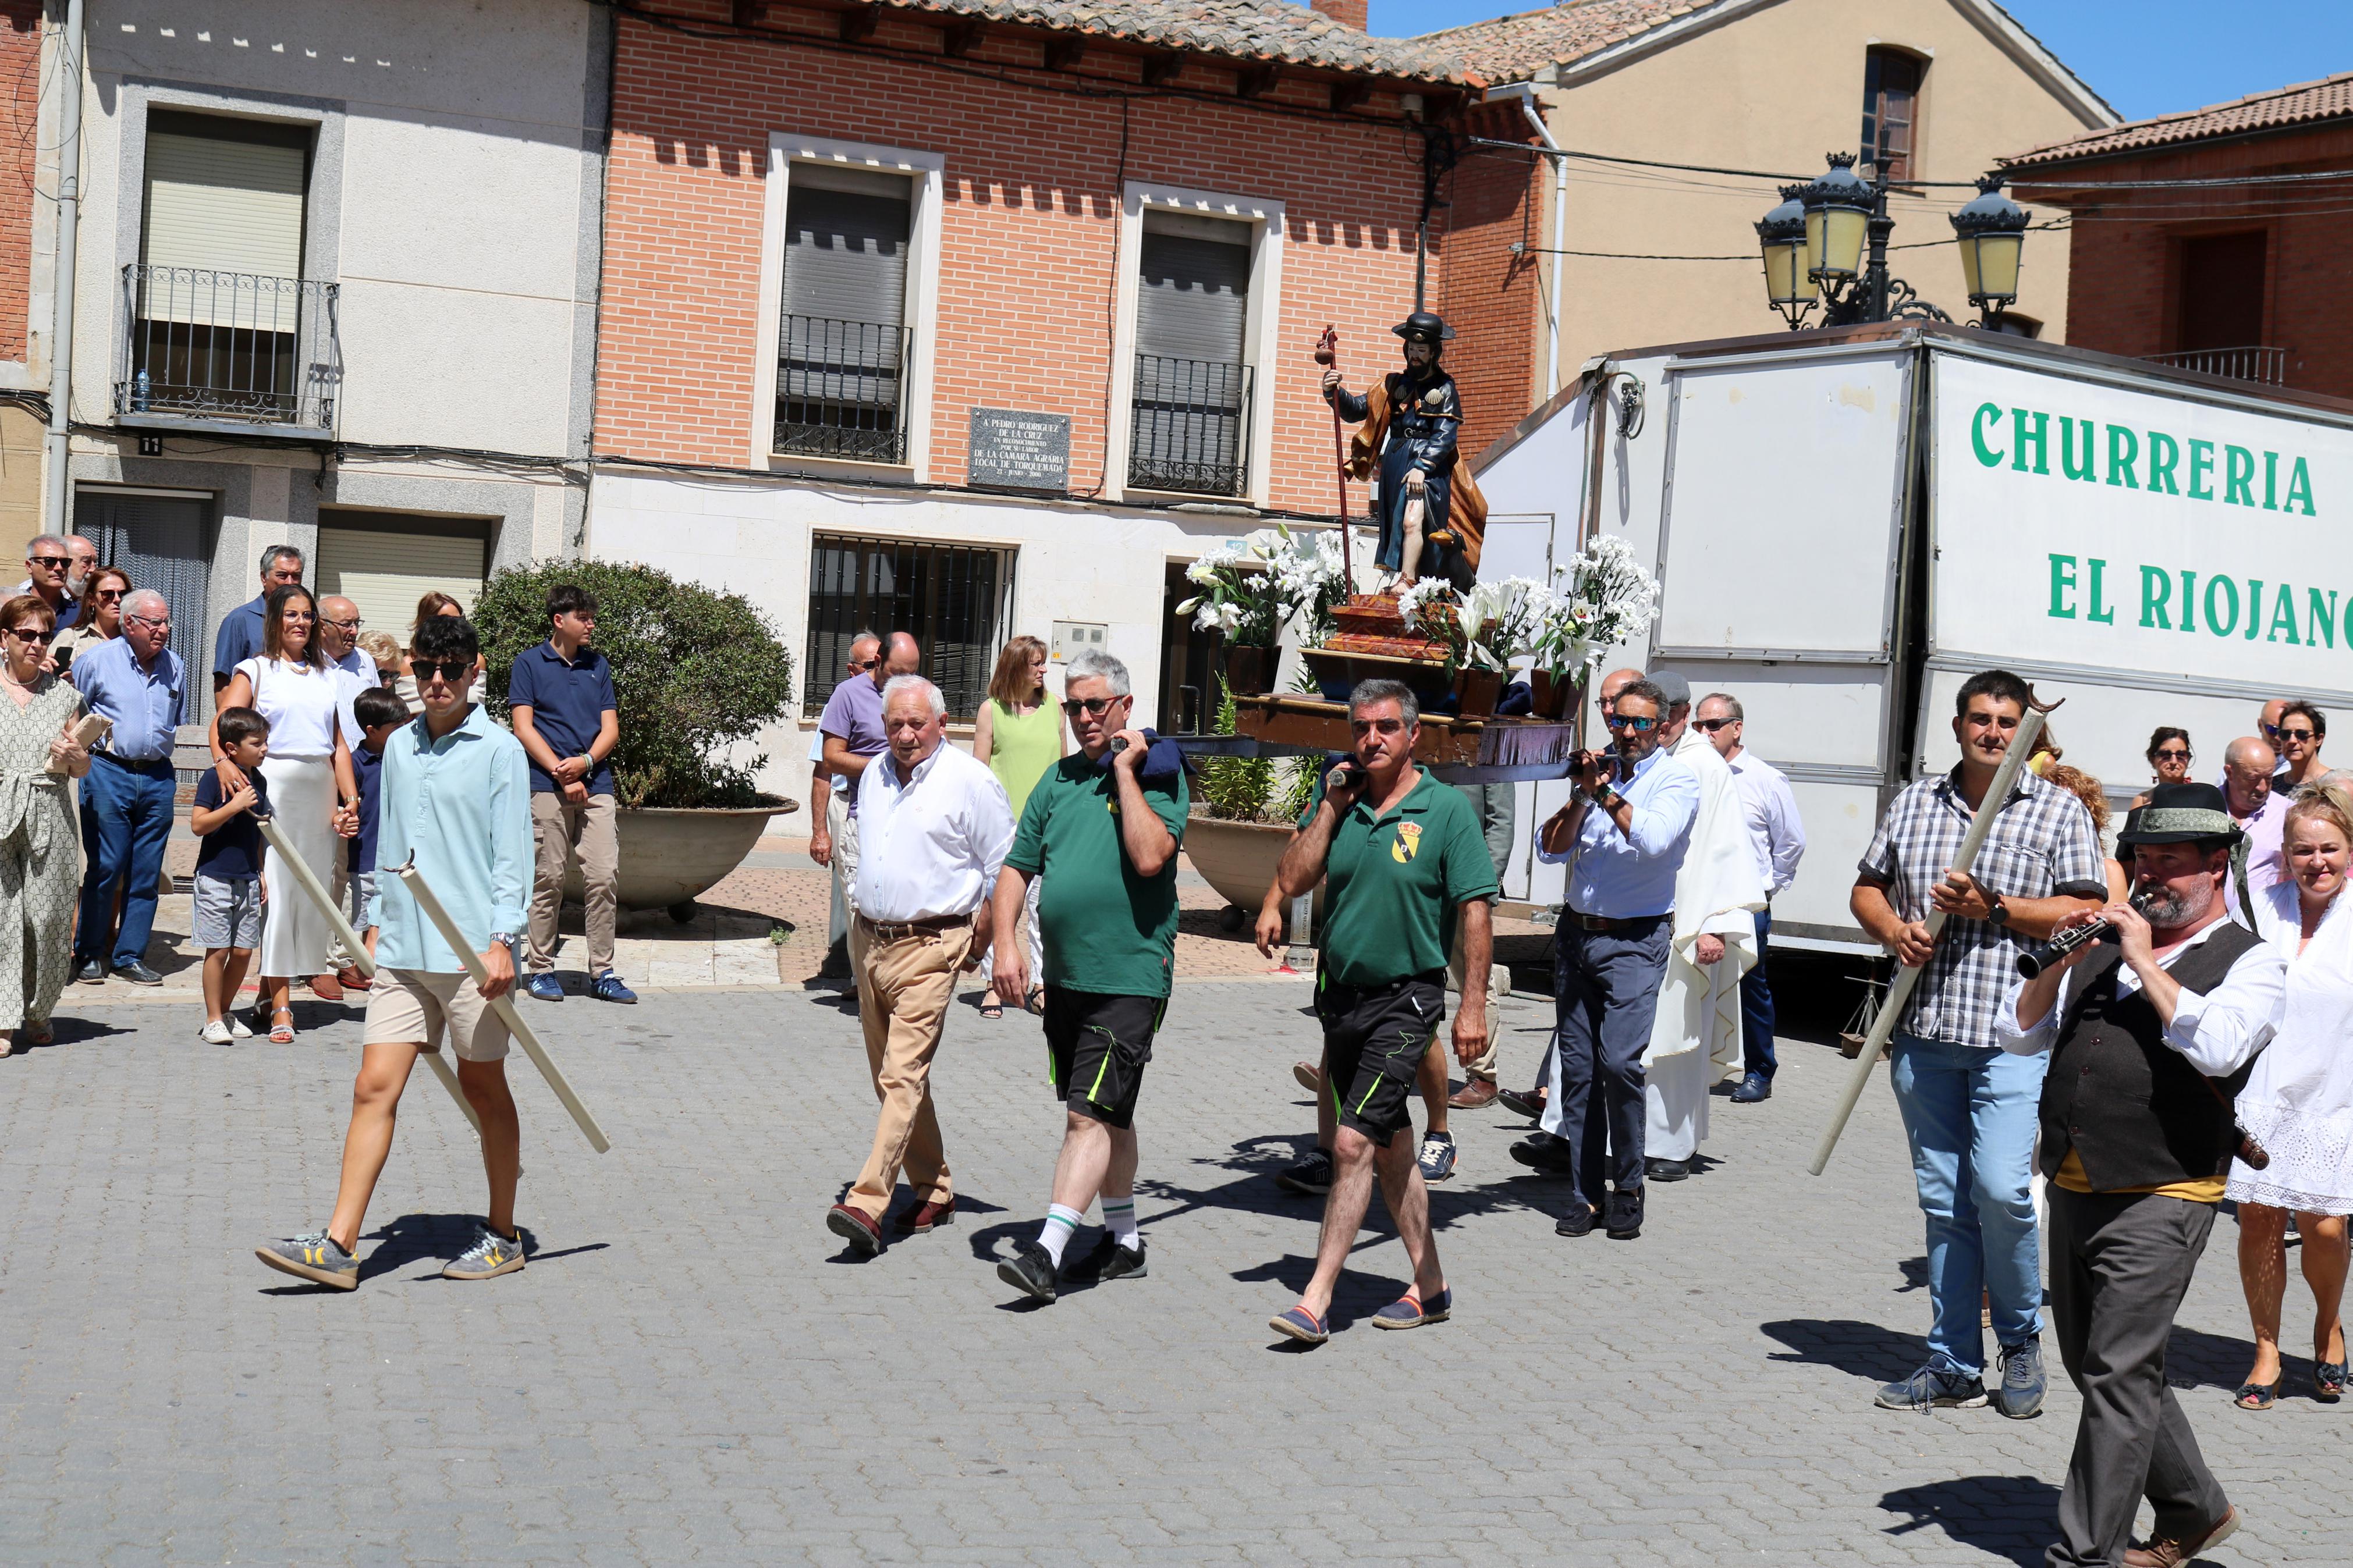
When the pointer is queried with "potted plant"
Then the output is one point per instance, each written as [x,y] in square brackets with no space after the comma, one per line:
[1251,586]
[1243,812]
[694,671]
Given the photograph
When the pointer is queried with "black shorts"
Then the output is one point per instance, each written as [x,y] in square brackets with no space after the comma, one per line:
[1098,1045]
[1374,1039]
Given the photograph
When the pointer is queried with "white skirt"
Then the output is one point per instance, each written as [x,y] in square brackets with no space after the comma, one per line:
[294,934]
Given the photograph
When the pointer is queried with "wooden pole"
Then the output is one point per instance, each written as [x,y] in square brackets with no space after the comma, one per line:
[1327,352]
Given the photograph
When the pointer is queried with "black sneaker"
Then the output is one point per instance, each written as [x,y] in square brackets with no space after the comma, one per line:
[137,973]
[90,971]
[1310,1175]
[1578,1221]
[1109,1260]
[1624,1221]
[1031,1270]
[1543,1152]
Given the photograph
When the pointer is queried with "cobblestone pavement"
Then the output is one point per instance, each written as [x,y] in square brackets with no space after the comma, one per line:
[691,1370]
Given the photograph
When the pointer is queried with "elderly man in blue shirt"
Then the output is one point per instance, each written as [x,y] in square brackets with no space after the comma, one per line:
[456,798]
[1624,833]
[136,681]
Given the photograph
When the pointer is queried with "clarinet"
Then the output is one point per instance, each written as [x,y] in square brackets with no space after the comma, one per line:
[2035,959]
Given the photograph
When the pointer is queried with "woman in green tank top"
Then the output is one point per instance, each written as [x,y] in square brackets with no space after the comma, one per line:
[1019,734]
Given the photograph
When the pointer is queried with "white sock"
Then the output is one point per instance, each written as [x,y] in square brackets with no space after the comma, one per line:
[1055,1235]
[1119,1215]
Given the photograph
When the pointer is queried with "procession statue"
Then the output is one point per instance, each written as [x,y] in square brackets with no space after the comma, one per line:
[1431,513]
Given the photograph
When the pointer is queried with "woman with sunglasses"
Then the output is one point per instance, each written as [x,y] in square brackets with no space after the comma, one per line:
[100,620]
[310,779]
[2168,756]
[39,851]
[2303,730]
[1019,734]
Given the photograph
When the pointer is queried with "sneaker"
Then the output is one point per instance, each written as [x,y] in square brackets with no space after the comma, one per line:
[608,988]
[215,1032]
[491,1256]
[1929,1389]
[236,1029]
[2023,1382]
[1029,1270]
[1111,1261]
[544,987]
[1752,1087]
[314,1258]
[1310,1175]
[1437,1156]
[90,971]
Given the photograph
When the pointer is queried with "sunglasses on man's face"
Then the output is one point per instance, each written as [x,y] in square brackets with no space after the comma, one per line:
[452,670]
[1092,706]
[1631,721]
[59,561]
[1713,725]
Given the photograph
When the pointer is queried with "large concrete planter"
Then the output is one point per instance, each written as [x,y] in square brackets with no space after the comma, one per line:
[669,855]
[1238,858]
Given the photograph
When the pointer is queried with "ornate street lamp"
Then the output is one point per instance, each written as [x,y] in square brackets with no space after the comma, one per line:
[1782,234]
[1838,210]
[1991,232]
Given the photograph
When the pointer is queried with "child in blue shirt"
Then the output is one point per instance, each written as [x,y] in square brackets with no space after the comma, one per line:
[228,892]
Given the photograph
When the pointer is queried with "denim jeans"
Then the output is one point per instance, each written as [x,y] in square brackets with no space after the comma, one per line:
[1605,999]
[1969,1114]
[1757,1009]
[126,815]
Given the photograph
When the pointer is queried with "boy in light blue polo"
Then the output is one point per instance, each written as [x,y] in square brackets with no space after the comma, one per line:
[456,798]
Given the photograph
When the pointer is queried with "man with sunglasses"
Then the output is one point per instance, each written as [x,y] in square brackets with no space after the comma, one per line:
[54,570]
[1107,822]
[1623,834]
[1405,868]
[138,683]
[241,635]
[1778,837]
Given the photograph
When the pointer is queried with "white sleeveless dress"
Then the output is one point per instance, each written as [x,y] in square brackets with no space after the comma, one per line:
[2299,1101]
[300,701]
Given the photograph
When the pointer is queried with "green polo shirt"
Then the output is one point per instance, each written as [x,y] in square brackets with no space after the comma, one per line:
[1106,927]
[1392,885]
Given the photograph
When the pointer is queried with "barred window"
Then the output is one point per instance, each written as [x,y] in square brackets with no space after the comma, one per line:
[956,600]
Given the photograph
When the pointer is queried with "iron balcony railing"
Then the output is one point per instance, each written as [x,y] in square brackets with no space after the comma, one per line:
[2267,365]
[841,389]
[204,344]
[1192,421]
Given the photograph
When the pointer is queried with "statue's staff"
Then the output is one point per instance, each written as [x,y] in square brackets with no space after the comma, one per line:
[502,1005]
[1327,353]
[1899,993]
[308,880]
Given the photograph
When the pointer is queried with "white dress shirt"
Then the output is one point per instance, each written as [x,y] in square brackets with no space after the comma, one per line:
[1772,819]
[2217,1033]
[931,848]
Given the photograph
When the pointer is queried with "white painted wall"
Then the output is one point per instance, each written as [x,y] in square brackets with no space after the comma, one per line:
[751,537]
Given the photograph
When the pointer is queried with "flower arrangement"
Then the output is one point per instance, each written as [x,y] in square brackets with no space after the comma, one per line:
[1253,586]
[1606,599]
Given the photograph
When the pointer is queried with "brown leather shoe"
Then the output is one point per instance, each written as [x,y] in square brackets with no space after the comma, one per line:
[865,1237]
[1476,1095]
[1530,1104]
[326,988]
[1310,1075]
[2163,1552]
[921,1218]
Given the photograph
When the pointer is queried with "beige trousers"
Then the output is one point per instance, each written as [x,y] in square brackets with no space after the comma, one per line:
[1499,983]
[560,830]
[903,990]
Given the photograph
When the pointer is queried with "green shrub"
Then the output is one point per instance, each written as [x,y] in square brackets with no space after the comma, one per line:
[694,672]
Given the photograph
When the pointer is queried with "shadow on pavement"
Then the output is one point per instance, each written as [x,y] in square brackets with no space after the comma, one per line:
[2013,1517]
[405,1240]
[1355,1295]
[2195,1359]
[1857,1349]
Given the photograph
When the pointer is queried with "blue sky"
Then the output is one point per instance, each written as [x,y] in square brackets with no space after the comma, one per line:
[2145,57]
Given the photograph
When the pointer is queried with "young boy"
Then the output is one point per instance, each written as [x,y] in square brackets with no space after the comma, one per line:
[228,871]
[378,713]
[456,796]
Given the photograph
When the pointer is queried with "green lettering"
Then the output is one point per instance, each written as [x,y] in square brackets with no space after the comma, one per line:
[2299,484]
[2283,614]
[2124,451]
[2067,448]
[2201,468]
[2063,580]
[2020,436]
[2217,623]
[2189,601]
[2254,606]
[2320,626]
[1986,454]
[2270,481]
[2156,595]
[2238,476]
[2164,452]
[2099,610]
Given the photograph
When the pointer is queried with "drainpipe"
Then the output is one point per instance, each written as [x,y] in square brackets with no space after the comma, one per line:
[1525,92]
[55,480]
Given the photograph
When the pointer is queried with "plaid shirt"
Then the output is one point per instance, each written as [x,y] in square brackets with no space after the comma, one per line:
[2043,846]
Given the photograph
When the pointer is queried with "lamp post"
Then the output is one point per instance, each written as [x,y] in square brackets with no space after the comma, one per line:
[1992,232]
[1826,244]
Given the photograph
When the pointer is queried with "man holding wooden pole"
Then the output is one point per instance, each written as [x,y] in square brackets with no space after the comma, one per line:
[1969,1107]
[456,803]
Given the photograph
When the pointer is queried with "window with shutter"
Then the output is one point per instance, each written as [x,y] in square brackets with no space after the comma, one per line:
[384,562]
[1890,111]
[161,541]
[842,349]
[1192,385]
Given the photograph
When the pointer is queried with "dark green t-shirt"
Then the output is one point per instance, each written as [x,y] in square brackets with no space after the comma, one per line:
[1107,929]
[1391,886]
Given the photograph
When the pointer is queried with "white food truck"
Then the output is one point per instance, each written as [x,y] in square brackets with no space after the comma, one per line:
[1846,524]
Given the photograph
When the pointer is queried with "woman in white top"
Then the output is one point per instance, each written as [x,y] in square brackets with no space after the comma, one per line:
[308,775]
[2298,1099]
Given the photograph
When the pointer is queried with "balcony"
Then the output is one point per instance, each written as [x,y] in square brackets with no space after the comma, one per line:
[840,389]
[1191,426]
[206,348]
[2266,365]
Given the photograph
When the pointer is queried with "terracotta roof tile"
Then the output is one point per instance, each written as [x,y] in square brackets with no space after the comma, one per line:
[1270,30]
[1514,48]
[2330,98]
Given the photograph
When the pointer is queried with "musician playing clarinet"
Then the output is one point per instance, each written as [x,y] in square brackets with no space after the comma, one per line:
[2149,1037]
[1969,1107]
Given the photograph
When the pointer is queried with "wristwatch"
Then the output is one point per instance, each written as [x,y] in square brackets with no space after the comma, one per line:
[507,937]
[1999,913]
[1605,794]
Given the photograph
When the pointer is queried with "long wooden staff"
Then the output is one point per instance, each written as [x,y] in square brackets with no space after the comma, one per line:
[1327,352]
[308,880]
[503,1005]
[1883,1026]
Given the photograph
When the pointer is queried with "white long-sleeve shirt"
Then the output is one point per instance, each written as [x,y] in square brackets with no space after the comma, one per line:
[1773,819]
[2217,1033]
[930,848]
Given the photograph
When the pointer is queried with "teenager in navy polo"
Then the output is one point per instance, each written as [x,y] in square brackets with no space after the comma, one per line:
[560,697]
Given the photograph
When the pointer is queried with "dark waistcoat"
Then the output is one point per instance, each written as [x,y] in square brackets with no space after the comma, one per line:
[2133,1110]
